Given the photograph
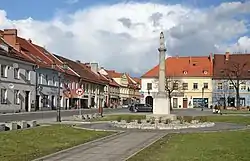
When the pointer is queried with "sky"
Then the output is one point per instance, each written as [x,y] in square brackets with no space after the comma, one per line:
[124,35]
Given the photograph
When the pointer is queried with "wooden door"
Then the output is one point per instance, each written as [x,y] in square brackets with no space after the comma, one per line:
[185,103]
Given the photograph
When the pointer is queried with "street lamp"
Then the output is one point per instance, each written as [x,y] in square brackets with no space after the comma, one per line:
[65,68]
[203,103]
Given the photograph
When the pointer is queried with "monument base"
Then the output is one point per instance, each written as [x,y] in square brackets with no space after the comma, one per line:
[161,106]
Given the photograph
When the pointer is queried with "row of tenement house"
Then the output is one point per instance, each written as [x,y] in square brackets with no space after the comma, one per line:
[197,81]
[31,78]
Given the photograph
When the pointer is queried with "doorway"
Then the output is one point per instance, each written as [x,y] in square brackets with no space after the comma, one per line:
[53,102]
[175,102]
[231,102]
[26,100]
[185,103]
[37,102]
[149,100]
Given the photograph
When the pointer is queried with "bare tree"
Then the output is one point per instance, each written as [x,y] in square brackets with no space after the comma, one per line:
[221,97]
[235,72]
[172,86]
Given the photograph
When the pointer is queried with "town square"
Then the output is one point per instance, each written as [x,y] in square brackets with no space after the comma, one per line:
[167,81]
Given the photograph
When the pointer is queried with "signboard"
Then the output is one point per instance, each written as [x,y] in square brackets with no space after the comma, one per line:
[79,92]
[177,94]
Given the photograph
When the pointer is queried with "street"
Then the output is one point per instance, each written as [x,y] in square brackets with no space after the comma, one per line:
[40,115]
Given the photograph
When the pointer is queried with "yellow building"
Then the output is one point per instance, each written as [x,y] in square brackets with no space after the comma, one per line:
[188,81]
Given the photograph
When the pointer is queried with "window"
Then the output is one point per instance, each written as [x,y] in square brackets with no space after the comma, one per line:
[53,81]
[16,73]
[149,86]
[77,85]
[4,71]
[73,85]
[231,86]
[243,86]
[17,97]
[219,86]
[175,86]
[195,86]
[40,78]
[46,80]
[185,86]
[3,96]
[205,85]
[27,75]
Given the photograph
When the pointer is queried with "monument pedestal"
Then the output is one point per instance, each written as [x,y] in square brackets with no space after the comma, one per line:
[161,108]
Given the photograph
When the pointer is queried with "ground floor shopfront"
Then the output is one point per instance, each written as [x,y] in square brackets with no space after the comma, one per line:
[183,100]
[229,99]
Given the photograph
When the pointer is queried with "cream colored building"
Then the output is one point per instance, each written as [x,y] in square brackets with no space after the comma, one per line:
[190,82]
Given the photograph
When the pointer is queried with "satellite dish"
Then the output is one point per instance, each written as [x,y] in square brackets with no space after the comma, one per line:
[11,86]
[15,65]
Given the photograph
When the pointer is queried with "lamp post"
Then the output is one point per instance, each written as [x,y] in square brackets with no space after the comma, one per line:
[202,93]
[64,67]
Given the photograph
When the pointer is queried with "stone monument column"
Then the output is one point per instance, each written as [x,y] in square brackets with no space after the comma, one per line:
[161,102]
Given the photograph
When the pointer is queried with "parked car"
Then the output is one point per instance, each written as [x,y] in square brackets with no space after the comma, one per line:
[125,106]
[141,108]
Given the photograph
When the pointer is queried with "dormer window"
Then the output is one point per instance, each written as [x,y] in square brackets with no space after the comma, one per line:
[221,71]
[205,72]
[185,72]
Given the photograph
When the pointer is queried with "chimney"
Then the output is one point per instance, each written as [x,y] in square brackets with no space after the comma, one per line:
[190,60]
[94,67]
[10,36]
[30,41]
[211,57]
[227,55]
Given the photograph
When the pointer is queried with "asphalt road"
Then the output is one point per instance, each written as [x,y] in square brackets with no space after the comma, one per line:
[52,114]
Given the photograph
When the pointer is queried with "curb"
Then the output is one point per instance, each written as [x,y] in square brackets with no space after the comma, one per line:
[87,143]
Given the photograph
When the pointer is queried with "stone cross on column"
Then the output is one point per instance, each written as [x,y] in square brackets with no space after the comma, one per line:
[162,75]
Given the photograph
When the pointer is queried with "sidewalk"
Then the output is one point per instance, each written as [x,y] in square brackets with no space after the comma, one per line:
[116,148]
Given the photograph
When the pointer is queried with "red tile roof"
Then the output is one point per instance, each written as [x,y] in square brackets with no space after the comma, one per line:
[14,53]
[81,69]
[54,59]
[224,64]
[197,66]
[34,54]
[114,74]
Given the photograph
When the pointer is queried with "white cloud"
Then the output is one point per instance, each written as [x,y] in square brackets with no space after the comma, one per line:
[125,36]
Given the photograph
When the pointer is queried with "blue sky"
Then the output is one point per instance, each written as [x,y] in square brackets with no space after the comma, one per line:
[45,9]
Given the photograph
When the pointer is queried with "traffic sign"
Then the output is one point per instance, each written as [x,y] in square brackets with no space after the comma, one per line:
[79,92]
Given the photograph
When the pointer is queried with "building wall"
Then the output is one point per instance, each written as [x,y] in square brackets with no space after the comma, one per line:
[227,92]
[190,95]
[21,84]
[48,88]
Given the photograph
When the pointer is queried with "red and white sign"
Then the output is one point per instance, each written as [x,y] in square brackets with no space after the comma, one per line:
[79,92]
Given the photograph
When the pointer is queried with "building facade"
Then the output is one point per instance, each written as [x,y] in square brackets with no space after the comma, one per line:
[17,80]
[189,84]
[112,90]
[228,69]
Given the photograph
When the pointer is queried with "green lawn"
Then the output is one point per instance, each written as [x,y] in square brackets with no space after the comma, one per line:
[220,146]
[25,145]
[235,112]
[122,117]
[230,119]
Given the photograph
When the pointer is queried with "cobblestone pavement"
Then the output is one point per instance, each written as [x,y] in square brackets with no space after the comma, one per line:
[122,146]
